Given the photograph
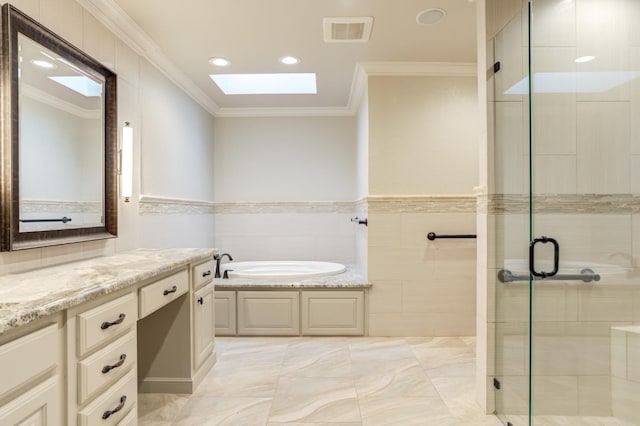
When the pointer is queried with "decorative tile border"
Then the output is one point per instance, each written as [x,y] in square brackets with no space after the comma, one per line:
[160,206]
[301,207]
[373,204]
[54,206]
[561,203]
[422,204]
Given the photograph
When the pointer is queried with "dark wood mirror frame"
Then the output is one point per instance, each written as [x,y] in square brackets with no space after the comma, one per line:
[13,23]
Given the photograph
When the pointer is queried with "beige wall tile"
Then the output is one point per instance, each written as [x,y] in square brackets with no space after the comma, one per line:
[385,297]
[554,174]
[624,399]
[602,303]
[633,355]
[384,229]
[594,396]
[432,324]
[510,53]
[557,395]
[619,354]
[604,167]
[511,142]
[588,238]
[554,23]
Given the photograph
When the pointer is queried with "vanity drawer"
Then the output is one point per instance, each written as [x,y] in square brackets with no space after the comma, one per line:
[106,322]
[106,366]
[203,273]
[156,295]
[28,356]
[114,404]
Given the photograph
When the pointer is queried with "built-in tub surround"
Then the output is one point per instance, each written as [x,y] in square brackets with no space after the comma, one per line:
[327,305]
[351,278]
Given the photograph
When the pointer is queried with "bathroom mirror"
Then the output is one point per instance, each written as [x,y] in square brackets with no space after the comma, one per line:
[59,139]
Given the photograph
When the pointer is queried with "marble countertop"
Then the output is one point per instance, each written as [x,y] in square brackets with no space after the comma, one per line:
[351,278]
[28,296]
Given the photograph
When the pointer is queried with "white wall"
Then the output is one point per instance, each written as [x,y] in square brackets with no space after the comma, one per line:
[285,187]
[173,139]
[285,159]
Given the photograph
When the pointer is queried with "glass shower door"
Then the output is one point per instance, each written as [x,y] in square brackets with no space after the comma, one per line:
[584,142]
[566,212]
[509,212]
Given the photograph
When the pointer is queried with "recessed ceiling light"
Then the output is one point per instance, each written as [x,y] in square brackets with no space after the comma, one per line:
[430,16]
[289,60]
[42,64]
[266,84]
[219,62]
[583,59]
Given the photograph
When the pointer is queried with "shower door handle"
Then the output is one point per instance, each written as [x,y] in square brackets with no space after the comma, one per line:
[532,256]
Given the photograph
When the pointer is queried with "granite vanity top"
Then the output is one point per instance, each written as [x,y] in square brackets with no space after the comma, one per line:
[351,278]
[28,296]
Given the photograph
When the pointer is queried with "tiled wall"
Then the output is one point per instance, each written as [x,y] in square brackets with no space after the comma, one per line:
[172,141]
[418,155]
[421,287]
[585,195]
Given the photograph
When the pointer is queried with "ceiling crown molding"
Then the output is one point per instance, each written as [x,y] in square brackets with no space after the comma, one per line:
[115,19]
[125,28]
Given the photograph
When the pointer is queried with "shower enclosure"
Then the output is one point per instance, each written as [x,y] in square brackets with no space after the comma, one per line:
[565,204]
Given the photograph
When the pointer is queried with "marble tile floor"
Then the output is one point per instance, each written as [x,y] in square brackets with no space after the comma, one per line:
[329,381]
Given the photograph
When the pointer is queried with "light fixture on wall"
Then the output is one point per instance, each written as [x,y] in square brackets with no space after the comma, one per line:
[126,163]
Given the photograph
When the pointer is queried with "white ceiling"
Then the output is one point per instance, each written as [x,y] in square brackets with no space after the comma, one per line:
[253,34]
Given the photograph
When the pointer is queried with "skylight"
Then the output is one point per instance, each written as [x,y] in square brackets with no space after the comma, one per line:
[81,84]
[266,84]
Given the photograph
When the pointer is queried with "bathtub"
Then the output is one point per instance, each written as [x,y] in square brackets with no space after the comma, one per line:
[281,269]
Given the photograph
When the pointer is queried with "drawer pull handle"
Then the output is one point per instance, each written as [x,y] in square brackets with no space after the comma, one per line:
[171,290]
[206,274]
[108,368]
[106,324]
[201,300]
[120,406]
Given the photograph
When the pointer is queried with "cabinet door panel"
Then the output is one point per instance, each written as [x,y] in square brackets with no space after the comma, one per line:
[203,325]
[268,313]
[225,313]
[332,313]
[38,406]
[28,356]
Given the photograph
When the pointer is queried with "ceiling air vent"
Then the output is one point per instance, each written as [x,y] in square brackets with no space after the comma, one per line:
[347,30]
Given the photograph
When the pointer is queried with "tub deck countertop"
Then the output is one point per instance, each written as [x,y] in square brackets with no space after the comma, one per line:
[350,279]
[28,296]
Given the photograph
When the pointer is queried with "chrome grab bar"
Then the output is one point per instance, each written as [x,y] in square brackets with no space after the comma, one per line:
[586,275]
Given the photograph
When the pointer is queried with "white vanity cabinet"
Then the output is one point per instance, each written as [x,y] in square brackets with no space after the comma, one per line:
[203,302]
[31,387]
[81,352]
[102,349]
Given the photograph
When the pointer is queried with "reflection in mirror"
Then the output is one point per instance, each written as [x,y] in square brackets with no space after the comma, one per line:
[58,139]
[61,150]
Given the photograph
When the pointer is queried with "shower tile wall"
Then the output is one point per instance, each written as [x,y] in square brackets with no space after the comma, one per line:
[586,186]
